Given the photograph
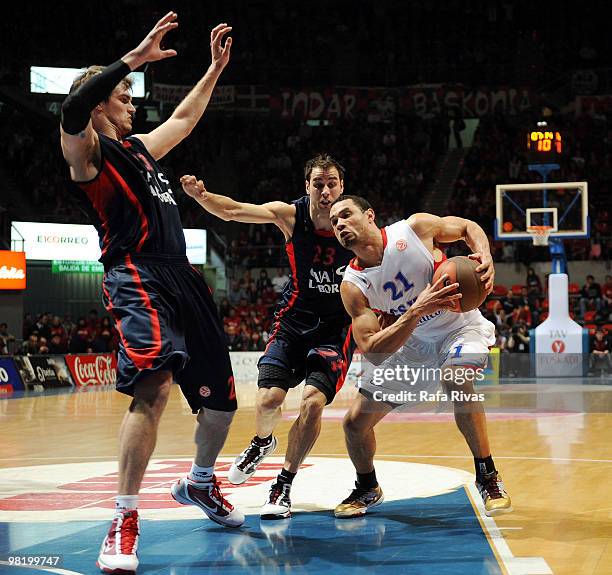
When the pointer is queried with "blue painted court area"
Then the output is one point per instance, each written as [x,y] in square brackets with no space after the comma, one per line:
[435,535]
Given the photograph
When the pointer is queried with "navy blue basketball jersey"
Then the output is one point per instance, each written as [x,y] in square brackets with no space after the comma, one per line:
[317,263]
[130,203]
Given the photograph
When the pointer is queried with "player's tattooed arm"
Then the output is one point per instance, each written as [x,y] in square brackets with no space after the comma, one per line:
[376,342]
[279,213]
[450,229]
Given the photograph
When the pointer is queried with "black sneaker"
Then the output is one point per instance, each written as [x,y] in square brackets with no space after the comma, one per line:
[246,463]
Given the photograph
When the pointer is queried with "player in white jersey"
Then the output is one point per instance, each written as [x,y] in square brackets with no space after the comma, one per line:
[391,276]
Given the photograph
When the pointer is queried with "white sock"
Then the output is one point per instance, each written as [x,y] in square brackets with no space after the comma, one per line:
[201,474]
[126,502]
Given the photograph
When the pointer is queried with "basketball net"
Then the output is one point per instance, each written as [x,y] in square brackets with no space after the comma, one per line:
[540,234]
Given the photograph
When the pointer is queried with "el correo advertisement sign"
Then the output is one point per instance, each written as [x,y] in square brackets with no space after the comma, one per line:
[44,241]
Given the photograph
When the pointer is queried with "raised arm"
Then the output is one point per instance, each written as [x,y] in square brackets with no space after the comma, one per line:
[188,113]
[450,229]
[79,140]
[367,331]
[278,213]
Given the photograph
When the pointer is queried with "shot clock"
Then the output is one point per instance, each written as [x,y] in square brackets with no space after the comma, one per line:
[544,145]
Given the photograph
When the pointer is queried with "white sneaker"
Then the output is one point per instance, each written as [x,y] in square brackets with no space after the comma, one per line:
[246,463]
[118,551]
[278,505]
[208,497]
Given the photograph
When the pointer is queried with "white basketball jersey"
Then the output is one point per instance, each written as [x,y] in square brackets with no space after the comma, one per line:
[393,286]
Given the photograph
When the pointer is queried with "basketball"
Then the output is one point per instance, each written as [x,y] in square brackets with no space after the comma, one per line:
[462,270]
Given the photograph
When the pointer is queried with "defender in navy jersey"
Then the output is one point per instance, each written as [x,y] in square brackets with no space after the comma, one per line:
[164,312]
[311,337]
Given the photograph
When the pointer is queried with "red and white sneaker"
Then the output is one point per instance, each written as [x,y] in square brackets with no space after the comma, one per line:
[208,497]
[118,552]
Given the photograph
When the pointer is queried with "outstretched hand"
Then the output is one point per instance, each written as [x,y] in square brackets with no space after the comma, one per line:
[220,53]
[150,50]
[193,187]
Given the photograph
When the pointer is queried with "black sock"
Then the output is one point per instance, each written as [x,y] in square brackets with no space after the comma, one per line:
[262,441]
[285,477]
[484,466]
[367,480]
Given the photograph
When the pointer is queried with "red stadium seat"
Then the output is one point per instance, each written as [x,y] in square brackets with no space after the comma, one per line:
[500,290]
[608,327]
[589,316]
[591,327]
[545,303]
[544,316]
[492,304]
[574,289]
[516,289]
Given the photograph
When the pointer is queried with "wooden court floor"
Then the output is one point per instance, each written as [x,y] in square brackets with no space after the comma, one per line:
[556,467]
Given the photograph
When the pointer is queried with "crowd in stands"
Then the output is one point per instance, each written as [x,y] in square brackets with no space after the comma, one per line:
[248,311]
[52,334]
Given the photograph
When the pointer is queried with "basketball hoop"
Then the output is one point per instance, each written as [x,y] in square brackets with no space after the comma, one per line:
[540,234]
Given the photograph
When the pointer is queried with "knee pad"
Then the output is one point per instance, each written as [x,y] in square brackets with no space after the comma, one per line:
[318,379]
[274,376]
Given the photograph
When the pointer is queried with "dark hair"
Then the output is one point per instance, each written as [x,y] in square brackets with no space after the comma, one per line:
[360,202]
[323,161]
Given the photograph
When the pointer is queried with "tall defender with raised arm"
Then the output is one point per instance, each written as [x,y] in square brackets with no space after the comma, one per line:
[165,315]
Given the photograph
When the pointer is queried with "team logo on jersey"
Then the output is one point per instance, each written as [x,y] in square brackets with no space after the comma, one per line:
[324,281]
[205,391]
[401,245]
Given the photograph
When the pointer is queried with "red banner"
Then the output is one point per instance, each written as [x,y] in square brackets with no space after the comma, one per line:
[93,369]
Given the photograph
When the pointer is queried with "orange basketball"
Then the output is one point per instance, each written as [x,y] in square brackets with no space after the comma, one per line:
[508,227]
[462,269]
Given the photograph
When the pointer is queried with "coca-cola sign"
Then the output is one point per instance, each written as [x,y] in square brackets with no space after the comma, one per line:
[93,369]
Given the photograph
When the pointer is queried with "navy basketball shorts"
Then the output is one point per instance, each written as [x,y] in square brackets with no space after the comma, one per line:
[167,320]
[326,349]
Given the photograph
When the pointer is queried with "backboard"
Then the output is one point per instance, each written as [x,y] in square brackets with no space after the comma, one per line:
[554,209]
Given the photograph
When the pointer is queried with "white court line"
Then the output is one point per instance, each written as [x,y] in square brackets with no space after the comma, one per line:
[513,565]
[381,455]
